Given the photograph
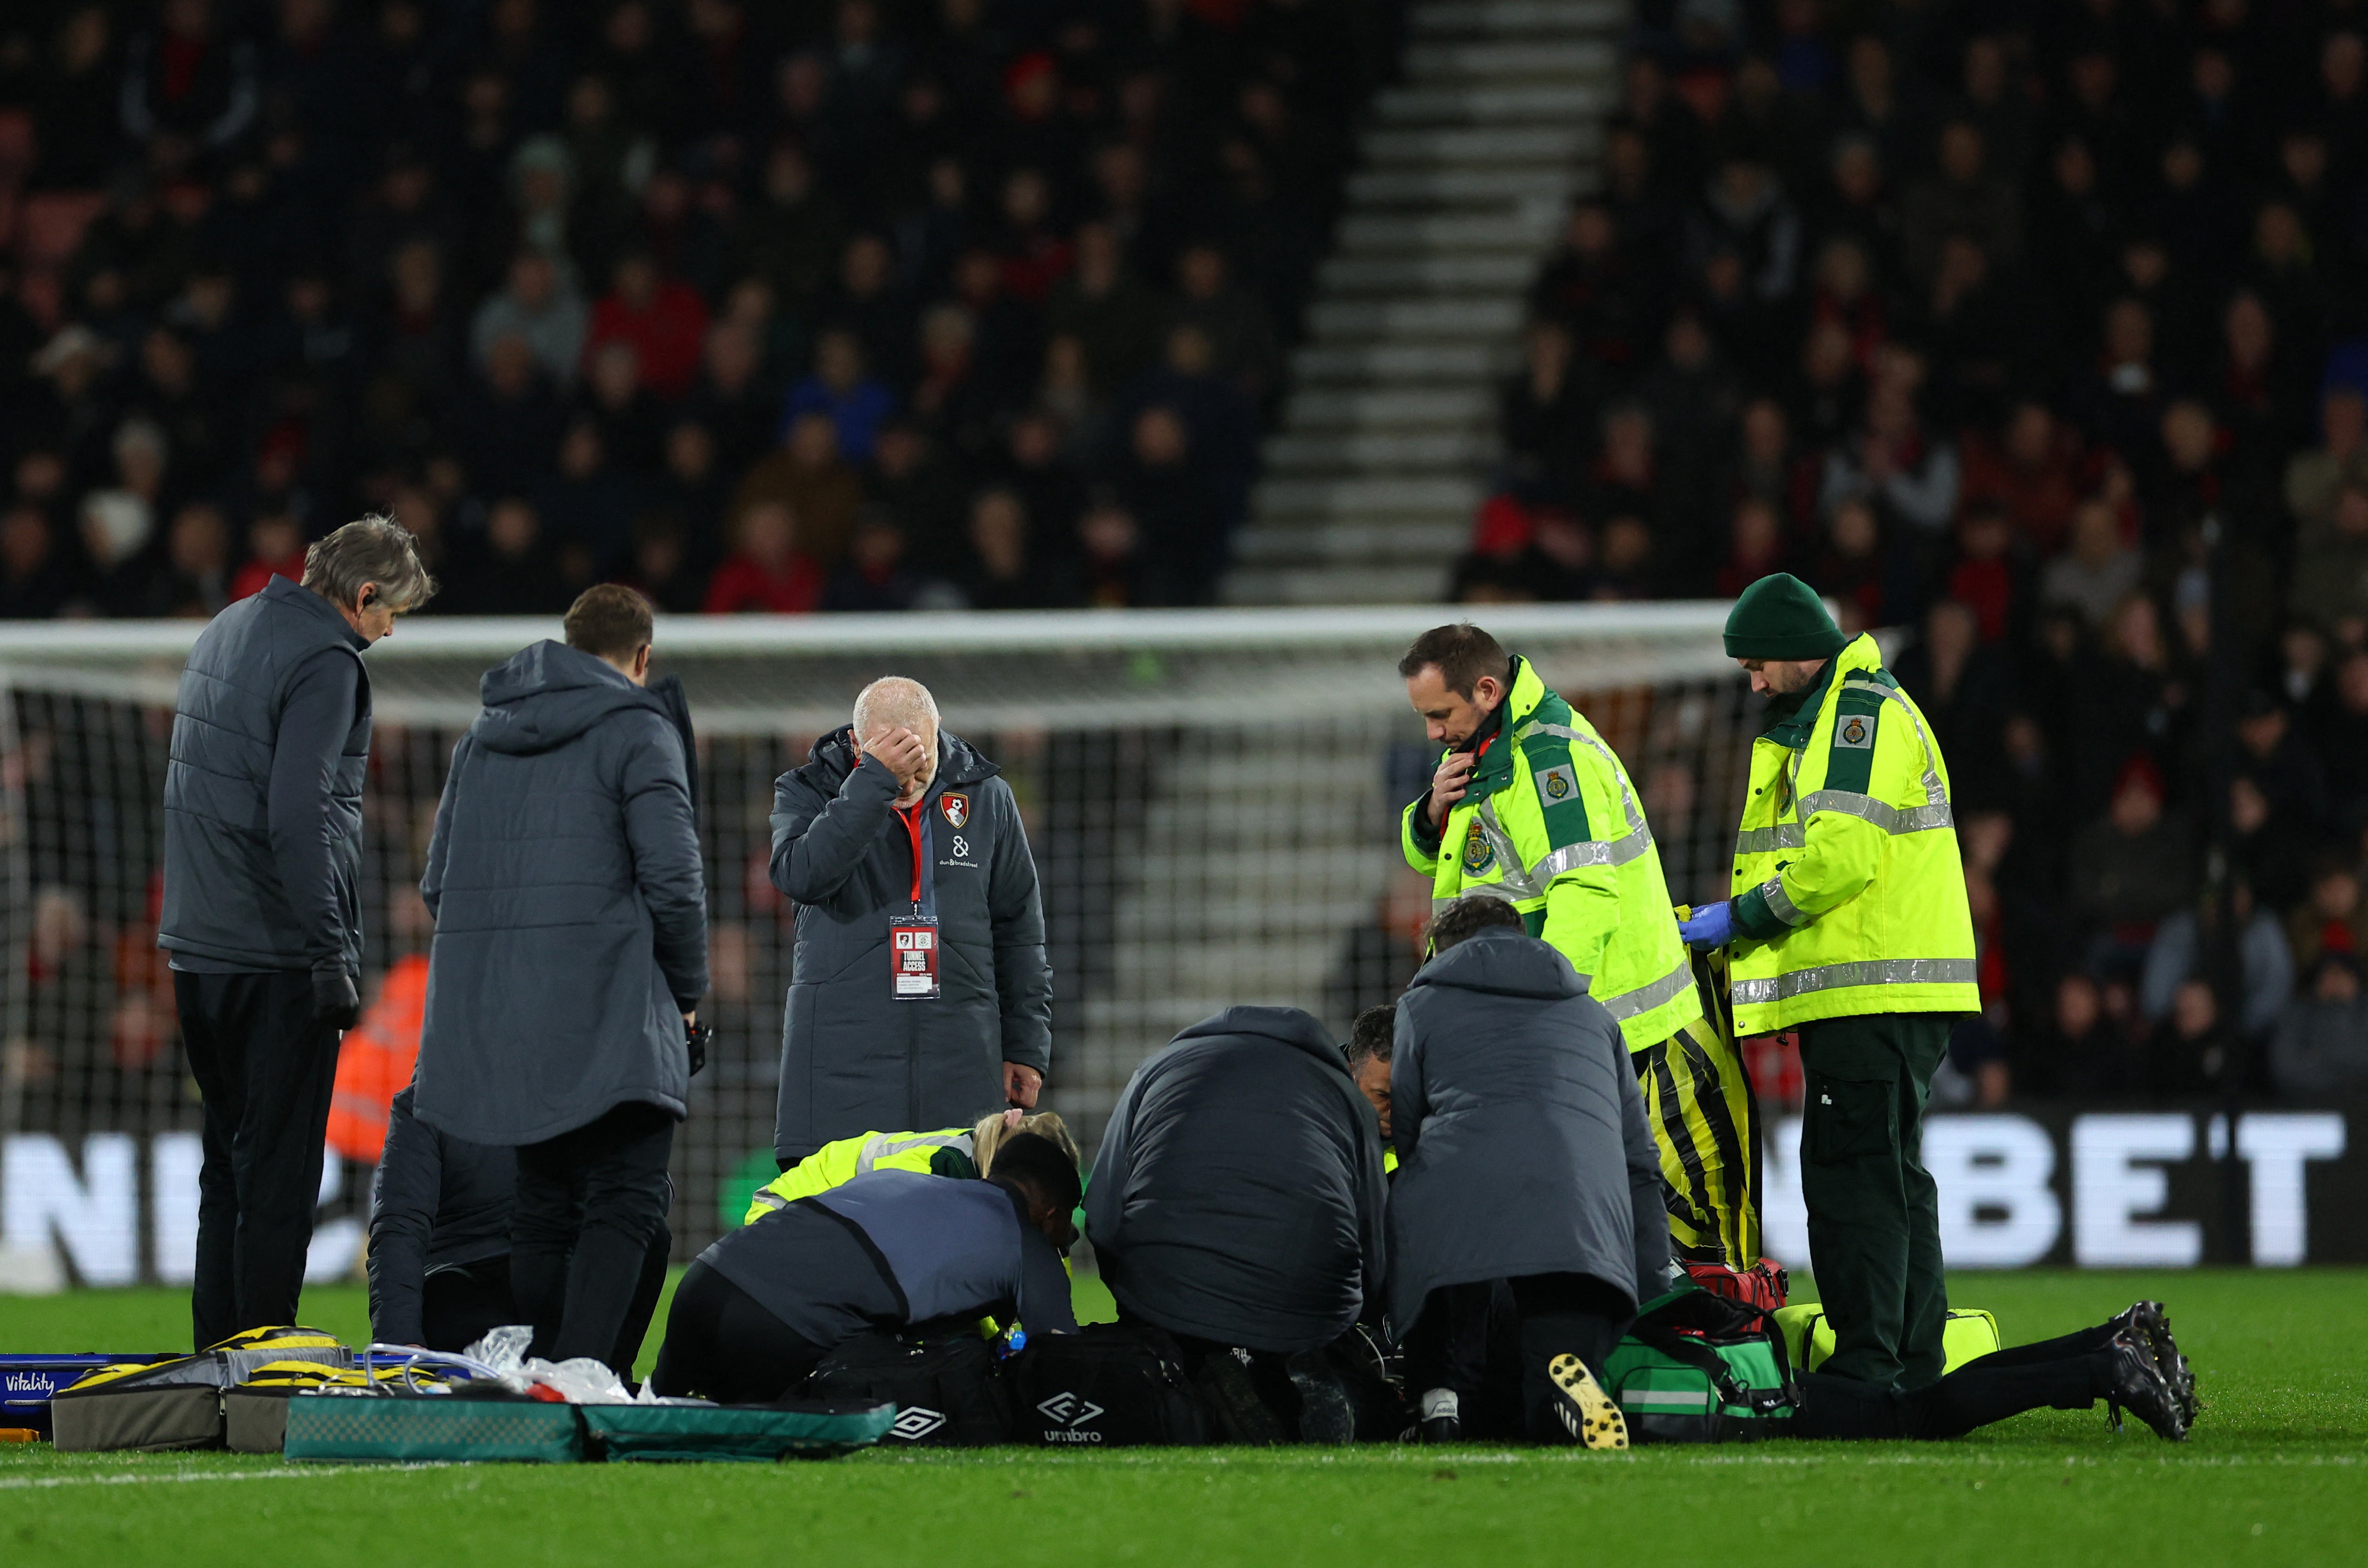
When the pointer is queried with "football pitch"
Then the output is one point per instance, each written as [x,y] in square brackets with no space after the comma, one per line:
[2276,1473]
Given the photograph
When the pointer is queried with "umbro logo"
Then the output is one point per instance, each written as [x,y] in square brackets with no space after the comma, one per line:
[916,1422]
[1067,1414]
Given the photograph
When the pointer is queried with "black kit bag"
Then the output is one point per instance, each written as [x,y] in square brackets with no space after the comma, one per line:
[1112,1385]
[942,1381]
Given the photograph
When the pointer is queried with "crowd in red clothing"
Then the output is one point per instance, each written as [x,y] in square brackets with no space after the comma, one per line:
[565,288]
[2036,331]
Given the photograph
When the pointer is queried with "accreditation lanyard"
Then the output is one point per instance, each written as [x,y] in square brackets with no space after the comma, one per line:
[913,939]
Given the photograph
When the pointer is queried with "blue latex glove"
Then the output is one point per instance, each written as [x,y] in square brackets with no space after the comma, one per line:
[1711,926]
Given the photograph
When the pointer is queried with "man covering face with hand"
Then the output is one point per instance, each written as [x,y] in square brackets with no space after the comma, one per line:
[920,994]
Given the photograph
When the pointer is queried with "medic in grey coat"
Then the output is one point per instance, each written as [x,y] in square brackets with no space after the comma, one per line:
[868,1042]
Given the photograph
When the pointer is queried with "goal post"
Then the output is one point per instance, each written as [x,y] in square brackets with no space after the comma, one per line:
[1211,797]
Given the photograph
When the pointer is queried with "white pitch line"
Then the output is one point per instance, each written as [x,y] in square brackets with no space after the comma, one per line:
[25,1483]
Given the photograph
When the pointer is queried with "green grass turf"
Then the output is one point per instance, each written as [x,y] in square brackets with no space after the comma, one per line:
[2277,1474]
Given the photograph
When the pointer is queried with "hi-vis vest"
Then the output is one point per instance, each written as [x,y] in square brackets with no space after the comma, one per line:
[1550,823]
[949,1151]
[1849,895]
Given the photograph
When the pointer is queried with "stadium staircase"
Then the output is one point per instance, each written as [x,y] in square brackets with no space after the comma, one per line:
[1258,851]
[1388,432]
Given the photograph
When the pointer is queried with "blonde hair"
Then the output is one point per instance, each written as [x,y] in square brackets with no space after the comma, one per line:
[991,1131]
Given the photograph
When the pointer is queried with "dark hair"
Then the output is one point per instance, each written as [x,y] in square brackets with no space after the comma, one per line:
[609,620]
[1032,1161]
[1467,917]
[1371,1037]
[1464,654]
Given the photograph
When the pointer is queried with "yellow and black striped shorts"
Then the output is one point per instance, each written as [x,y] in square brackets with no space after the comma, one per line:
[1697,1098]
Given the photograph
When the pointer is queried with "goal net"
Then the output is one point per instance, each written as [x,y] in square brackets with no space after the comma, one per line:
[1211,797]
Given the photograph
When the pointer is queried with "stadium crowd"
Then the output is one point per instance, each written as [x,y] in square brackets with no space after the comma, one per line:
[2029,329]
[836,304]
[2035,330]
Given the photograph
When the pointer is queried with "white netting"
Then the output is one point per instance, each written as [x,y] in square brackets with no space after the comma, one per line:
[1211,797]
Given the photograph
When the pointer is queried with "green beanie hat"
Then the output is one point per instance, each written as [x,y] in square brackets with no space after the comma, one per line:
[1780,617]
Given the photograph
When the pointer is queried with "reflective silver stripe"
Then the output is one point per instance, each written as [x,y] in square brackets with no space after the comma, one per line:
[1516,879]
[1767,840]
[1867,971]
[881,1147]
[1781,907]
[1644,998]
[1593,852]
[1595,745]
[771,1199]
[1935,792]
[1891,818]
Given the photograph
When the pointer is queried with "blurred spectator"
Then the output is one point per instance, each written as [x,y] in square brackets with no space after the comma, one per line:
[33,581]
[873,576]
[1118,573]
[2099,572]
[515,571]
[841,389]
[1241,339]
[766,570]
[2033,471]
[807,475]
[1009,569]
[1165,494]
[662,319]
[2316,477]
[660,570]
[2321,1044]
[537,305]
[275,548]
[2130,869]
[1112,314]
[2331,919]
[2178,954]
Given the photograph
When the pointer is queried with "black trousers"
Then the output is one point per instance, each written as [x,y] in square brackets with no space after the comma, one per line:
[589,1201]
[1874,1218]
[265,1071]
[722,1344]
[2069,1373]
[460,1306]
[1451,1344]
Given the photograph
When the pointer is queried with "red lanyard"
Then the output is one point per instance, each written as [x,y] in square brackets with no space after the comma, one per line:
[912,815]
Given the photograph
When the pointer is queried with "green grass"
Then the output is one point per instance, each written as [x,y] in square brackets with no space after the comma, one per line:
[2276,1473]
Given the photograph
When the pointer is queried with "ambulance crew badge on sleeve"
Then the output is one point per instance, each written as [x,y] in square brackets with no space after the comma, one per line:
[956,809]
[1854,731]
[1557,784]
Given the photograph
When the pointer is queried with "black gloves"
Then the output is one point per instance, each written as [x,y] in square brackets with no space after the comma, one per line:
[336,1002]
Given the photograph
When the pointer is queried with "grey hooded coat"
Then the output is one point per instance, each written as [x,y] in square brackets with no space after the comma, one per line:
[570,903]
[1238,1194]
[1521,1138]
[855,1058]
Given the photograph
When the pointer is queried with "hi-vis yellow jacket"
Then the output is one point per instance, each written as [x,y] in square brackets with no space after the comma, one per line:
[949,1151]
[1550,823]
[1850,898]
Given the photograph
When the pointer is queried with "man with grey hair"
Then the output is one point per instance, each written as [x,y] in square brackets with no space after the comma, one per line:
[262,913]
[920,995]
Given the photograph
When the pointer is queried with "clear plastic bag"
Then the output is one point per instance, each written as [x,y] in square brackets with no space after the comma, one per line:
[502,1350]
[580,1381]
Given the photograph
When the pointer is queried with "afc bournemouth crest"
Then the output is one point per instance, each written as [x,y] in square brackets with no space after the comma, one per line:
[1477,856]
[956,808]
[1856,730]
